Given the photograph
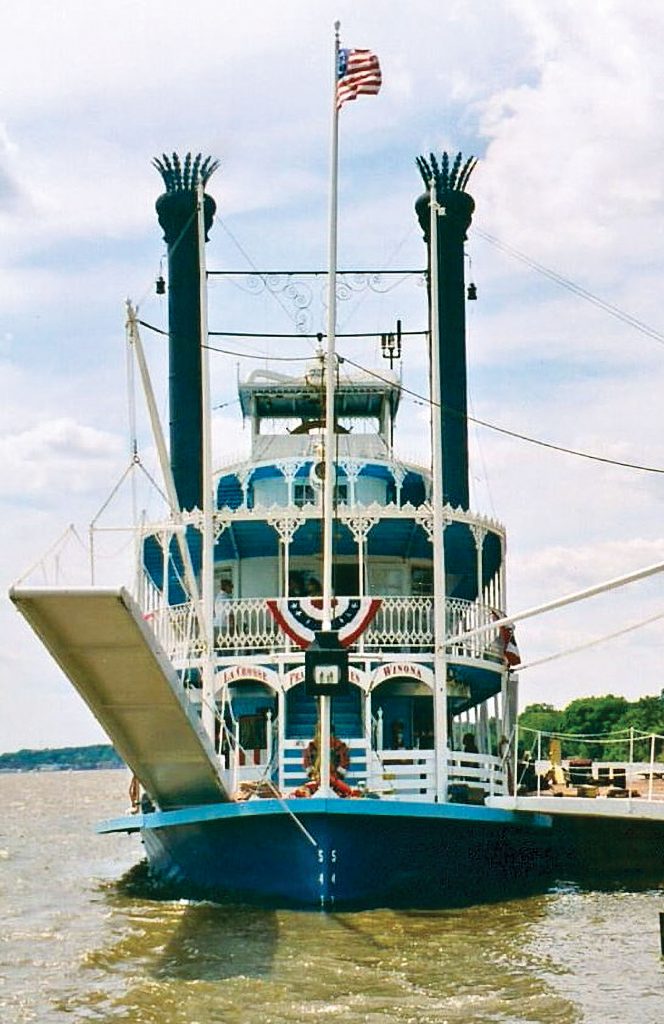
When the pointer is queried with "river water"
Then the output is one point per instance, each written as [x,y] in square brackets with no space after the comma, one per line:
[84,938]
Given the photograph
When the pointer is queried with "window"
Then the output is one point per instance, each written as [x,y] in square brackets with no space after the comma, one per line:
[253,732]
[303,494]
[422,580]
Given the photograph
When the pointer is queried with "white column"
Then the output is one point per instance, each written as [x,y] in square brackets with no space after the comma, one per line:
[439,583]
[281,734]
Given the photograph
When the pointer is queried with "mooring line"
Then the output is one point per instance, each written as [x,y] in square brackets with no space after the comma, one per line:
[293,815]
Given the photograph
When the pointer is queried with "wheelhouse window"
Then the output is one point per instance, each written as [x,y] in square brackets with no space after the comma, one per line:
[303,494]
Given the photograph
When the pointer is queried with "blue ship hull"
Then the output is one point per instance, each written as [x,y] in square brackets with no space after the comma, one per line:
[325,853]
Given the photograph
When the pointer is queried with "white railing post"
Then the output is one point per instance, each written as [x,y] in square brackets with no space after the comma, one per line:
[281,737]
[652,766]
[515,781]
[268,735]
[631,763]
[379,729]
[236,755]
[539,758]
[367,721]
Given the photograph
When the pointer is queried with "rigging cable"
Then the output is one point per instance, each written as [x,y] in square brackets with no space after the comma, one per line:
[577,289]
[591,643]
[428,401]
[515,433]
[253,266]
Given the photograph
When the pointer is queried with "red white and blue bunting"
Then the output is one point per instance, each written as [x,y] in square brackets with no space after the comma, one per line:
[301,617]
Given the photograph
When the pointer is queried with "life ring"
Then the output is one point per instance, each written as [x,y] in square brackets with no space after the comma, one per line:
[339,757]
[339,762]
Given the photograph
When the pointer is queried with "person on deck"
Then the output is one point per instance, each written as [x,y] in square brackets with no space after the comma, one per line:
[469,744]
[469,747]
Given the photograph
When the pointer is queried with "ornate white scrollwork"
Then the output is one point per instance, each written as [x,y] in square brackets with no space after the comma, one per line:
[285,525]
[359,525]
[424,516]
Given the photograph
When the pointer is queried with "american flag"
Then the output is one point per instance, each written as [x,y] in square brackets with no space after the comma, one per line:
[358,72]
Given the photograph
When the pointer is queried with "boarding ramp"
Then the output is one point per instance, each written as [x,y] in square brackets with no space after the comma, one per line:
[112,657]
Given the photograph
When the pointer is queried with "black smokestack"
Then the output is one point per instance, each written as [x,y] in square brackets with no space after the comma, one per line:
[452,227]
[176,210]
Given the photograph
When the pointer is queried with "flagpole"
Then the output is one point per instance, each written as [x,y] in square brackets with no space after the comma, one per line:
[330,356]
[330,374]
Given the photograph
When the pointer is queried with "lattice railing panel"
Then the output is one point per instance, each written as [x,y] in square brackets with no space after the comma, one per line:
[400,623]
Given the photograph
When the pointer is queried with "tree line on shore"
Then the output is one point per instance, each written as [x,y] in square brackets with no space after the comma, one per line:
[608,717]
[99,755]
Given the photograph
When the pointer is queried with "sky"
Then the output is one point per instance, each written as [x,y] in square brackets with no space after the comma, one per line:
[560,102]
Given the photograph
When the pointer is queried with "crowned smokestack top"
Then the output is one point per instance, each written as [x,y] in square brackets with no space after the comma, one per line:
[177,212]
[456,214]
[185,177]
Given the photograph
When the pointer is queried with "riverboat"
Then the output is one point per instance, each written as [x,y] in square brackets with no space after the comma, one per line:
[313,678]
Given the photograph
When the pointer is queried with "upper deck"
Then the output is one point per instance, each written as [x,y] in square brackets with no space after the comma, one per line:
[287,414]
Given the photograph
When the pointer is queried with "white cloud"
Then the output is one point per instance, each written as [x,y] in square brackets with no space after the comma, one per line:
[59,454]
[579,149]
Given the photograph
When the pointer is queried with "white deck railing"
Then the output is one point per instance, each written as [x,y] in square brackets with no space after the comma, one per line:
[402,623]
[641,778]
[477,771]
[397,774]
[410,775]
[402,774]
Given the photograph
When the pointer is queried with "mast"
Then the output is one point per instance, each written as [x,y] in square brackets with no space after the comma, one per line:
[330,354]
[330,375]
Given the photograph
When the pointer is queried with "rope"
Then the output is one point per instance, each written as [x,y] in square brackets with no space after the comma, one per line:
[565,282]
[55,547]
[511,433]
[281,801]
[253,266]
[617,736]
[114,491]
[263,779]
[319,335]
[303,829]
[592,643]
[430,402]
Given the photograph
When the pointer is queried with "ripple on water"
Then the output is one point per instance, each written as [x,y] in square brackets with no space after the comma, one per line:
[86,939]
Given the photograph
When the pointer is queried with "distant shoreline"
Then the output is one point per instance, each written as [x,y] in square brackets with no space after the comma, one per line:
[61,759]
